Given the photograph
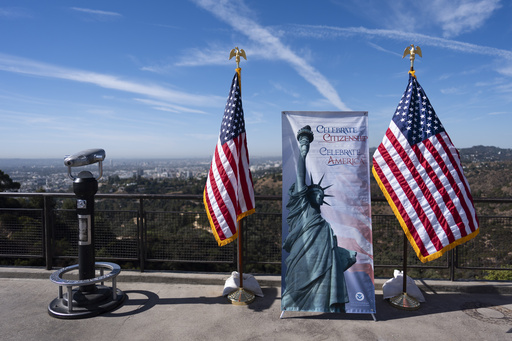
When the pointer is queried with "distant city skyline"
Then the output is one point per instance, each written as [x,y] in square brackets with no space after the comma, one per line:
[150,80]
[52,175]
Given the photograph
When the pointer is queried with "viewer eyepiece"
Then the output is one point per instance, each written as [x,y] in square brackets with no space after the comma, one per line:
[85,157]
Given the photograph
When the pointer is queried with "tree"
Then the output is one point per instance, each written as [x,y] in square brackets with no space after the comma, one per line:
[6,183]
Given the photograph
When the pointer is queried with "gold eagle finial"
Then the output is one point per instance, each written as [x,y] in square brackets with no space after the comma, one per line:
[237,53]
[412,51]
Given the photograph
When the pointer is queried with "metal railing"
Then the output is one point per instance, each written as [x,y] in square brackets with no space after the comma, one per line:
[172,232]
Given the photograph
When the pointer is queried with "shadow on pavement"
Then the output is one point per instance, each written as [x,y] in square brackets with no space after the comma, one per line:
[488,308]
[139,301]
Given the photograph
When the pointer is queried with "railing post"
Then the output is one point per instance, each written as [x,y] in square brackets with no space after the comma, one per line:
[142,231]
[48,231]
[453,263]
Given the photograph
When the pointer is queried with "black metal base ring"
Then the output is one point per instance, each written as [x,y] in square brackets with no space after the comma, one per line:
[86,305]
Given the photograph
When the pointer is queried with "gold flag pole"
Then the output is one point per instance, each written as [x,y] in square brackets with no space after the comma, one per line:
[240,296]
[403,300]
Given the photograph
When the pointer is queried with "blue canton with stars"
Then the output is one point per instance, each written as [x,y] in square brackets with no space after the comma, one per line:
[233,120]
[414,115]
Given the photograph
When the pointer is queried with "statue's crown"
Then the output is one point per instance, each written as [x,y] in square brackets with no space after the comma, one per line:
[318,186]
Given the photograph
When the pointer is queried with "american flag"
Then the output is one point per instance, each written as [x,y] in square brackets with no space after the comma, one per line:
[229,194]
[420,173]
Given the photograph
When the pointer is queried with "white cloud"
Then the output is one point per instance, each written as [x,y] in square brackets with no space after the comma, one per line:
[26,118]
[461,16]
[172,97]
[14,13]
[452,91]
[285,90]
[238,16]
[164,106]
[451,17]
[215,54]
[211,55]
[505,88]
[506,68]
[332,32]
[380,48]
[97,13]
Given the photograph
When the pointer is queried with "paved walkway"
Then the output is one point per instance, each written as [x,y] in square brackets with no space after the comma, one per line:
[186,306]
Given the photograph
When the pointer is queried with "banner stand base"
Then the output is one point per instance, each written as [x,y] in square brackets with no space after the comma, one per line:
[241,297]
[373,316]
[405,302]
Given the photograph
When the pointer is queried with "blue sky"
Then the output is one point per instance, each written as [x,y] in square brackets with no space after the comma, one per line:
[150,79]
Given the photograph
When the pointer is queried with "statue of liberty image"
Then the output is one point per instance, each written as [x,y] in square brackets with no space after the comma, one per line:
[315,265]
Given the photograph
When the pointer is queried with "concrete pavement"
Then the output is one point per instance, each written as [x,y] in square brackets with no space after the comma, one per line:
[189,306]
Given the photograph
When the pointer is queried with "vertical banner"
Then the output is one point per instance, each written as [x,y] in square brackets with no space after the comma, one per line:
[327,256]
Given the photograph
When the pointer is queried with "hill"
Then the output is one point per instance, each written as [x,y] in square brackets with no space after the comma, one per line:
[479,154]
[487,169]
[485,153]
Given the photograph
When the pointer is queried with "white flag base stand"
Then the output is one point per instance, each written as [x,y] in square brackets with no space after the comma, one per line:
[403,300]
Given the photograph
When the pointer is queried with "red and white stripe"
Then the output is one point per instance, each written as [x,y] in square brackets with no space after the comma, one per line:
[430,194]
[229,193]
